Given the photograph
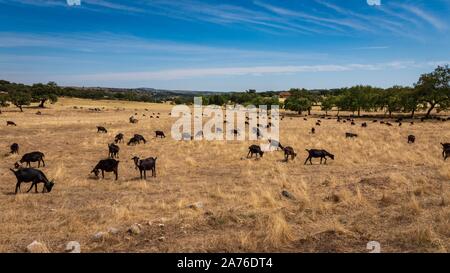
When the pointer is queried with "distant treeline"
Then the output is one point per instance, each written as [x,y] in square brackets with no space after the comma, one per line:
[429,93]
[22,95]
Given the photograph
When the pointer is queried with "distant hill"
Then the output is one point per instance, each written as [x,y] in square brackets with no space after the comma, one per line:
[151,91]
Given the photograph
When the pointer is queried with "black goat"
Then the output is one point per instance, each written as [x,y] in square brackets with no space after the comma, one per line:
[101,129]
[113,150]
[140,138]
[446,153]
[145,165]
[136,139]
[364,124]
[33,157]
[313,130]
[133,120]
[313,153]
[14,148]
[411,139]
[107,165]
[350,135]
[26,175]
[445,150]
[255,149]
[276,144]
[289,151]
[119,138]
[160,134]
[10,123]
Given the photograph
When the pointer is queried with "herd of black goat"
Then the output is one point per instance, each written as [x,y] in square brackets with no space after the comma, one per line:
[28,174]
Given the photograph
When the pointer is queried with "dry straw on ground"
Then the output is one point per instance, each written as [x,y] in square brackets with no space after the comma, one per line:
[379,188]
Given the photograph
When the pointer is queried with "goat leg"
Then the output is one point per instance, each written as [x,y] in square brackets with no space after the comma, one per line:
[17,187]
[32,184]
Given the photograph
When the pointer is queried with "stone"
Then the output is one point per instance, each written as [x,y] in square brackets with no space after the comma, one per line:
[135,229]
[197,205]
[99,236]
[73,247]
[113,230]
[37,247]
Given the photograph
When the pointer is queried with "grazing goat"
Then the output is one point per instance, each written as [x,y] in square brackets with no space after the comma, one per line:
[119,138]
[313,130]
[136,139]
[133,120]
[33,157]
[187,136]
[350,135]
[255,149]
[276,144]
[353,123]
[160,134]
[257,132]
[317,123]
[26,175]
[101,129]
[10,123]
[364,124]
[140,138]
[313,153]
[145,165]
[107,165]
[14,148]
[113,150]
[411,139]
[445,150]
[199,134]
[289,151]
[446,153]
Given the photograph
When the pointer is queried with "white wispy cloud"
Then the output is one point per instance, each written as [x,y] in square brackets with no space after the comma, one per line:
[187,73]
[271,18]
[426,16]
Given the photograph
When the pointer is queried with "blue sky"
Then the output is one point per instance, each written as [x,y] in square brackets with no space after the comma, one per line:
[223,45]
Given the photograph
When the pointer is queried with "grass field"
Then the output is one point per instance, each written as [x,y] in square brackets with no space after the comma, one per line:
[378,188]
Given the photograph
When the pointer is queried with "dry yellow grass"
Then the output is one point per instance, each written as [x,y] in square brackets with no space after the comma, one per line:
[378,188]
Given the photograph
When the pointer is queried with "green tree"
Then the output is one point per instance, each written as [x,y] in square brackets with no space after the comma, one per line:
[20,98]
[409,99]
[44,92]
[391,100]
[327,104]
[434,90]
[298,104]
